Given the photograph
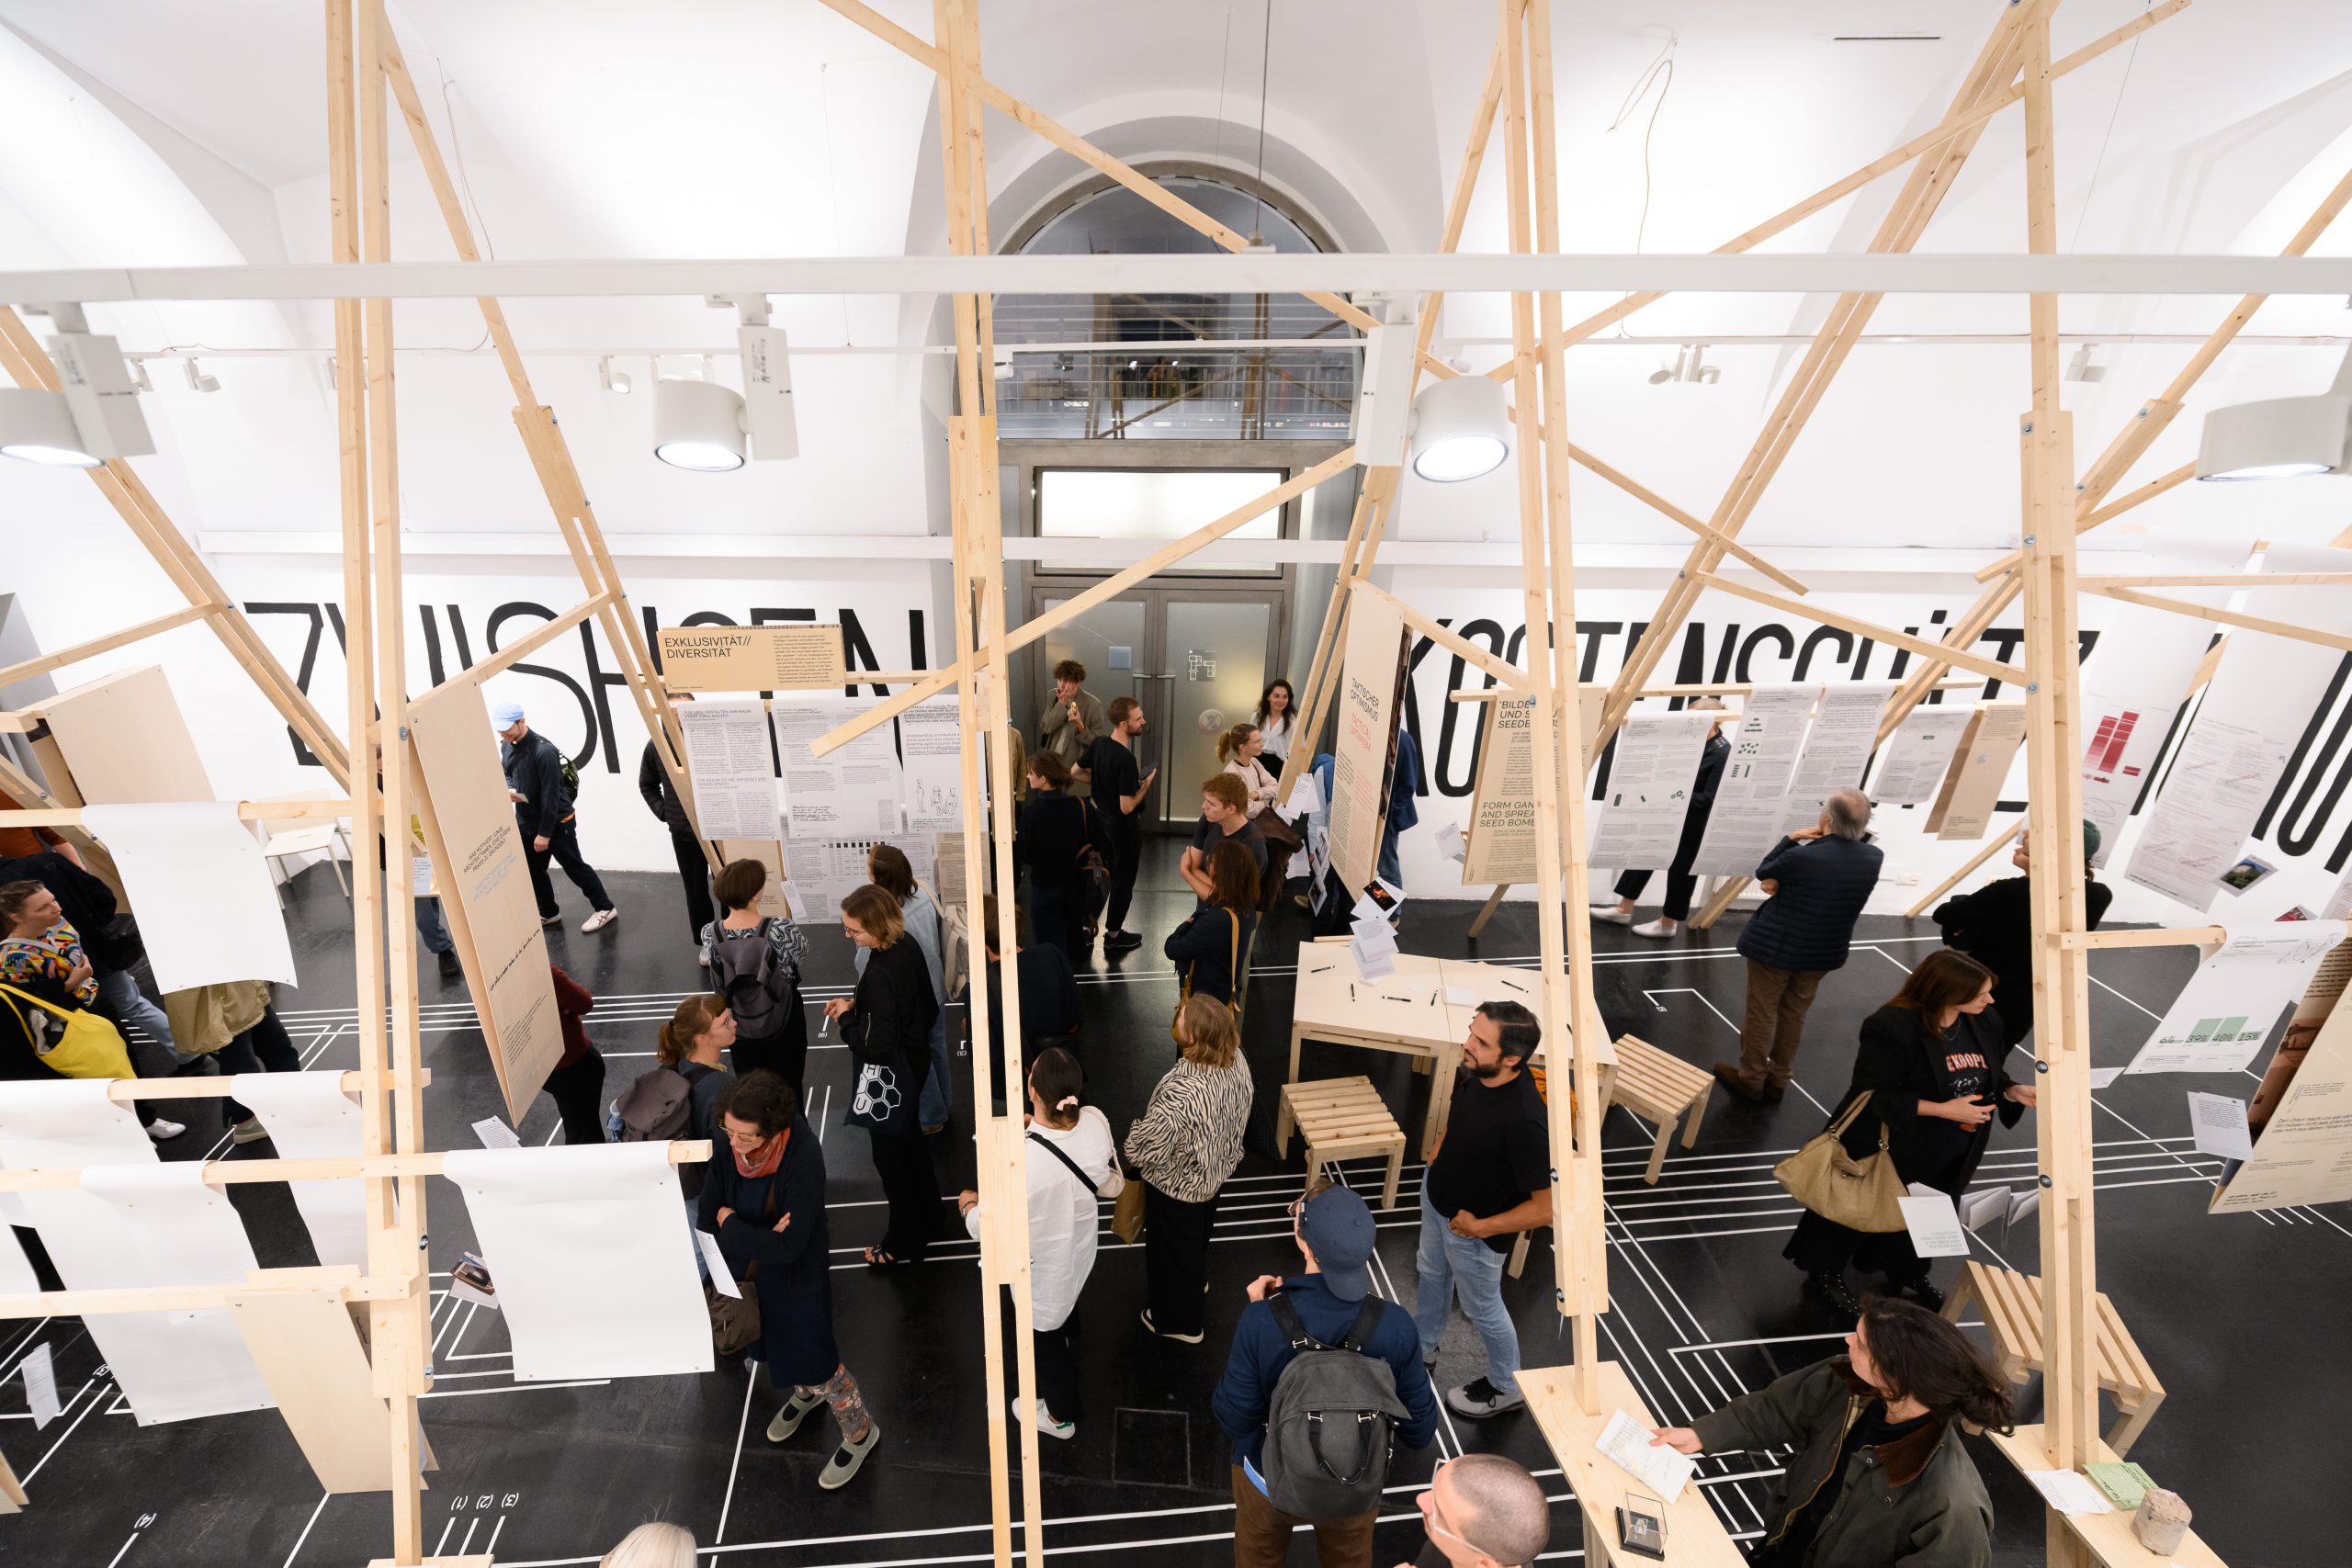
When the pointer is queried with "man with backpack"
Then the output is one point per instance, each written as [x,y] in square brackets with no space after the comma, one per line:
[543,784]
[1323,1379]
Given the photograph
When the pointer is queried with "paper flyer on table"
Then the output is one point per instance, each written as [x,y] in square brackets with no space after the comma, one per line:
[1625,1442]
[2069,1491]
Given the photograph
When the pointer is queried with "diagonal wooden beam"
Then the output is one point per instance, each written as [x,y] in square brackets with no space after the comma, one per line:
[1975,664]
[1667,509]
[1453,642]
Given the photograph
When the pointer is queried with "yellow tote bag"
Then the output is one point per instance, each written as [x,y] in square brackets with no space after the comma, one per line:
[86,1047]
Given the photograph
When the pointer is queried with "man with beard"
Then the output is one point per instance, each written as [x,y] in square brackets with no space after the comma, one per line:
[1489,1178]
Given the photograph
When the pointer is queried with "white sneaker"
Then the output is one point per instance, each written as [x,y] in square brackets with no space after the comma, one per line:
[1658,928]
[1612,914]
[1046,1421]
[164,1131]
[600,919]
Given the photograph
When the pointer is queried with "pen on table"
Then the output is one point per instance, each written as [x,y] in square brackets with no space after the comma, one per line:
[1352,990]
[1521,989]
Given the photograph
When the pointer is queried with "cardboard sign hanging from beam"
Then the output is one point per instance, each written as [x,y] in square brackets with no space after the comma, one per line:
[1980,766]
[1500,844]
[1370,679]
[486,887]
[752,658]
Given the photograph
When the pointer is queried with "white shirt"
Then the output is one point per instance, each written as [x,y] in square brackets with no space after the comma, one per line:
[1064,1224]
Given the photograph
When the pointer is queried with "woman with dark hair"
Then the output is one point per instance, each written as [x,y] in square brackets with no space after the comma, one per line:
[885,1023]
[887,867]
[1212,948]
[764,1200]
[754,961]
[1879,1475]
[1048,838]
[1071,1160]
[1276,720]
[1183,1146]
[1930,1061]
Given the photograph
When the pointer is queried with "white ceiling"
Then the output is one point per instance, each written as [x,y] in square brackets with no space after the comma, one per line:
[707,128]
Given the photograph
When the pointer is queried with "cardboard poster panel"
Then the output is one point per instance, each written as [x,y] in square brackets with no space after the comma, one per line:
[1369,677]
[752,658]
[2303,1152]
[126,743]
[1963,807]
[486,888]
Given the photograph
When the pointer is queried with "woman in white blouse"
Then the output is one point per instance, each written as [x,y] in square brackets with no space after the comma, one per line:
[1072,1161]
[1238,748]
[1277,719]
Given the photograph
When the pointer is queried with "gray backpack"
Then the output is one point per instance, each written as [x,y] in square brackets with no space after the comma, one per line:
[1332,1422]
[760,993]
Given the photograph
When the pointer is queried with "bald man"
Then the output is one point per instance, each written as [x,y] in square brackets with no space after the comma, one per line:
[1482,1511]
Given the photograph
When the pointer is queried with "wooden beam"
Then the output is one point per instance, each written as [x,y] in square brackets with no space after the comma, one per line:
[334,1167]
[1665,508]
[1452,641]
[523,648]
[2339,641]
[221,1086]
[1991,669]
[2217,580]
[108,643]
[1070,609]
[2166,936]
[247,811]
[1993,846]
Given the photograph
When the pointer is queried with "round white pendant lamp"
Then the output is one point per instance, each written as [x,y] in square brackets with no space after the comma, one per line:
[36,426]
[697,425]
[1461,430]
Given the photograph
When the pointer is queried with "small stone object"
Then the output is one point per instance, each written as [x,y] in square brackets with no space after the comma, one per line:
[2161,1520]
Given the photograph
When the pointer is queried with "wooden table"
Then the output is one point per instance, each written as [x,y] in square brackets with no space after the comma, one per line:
[2107,1537]
[1405,1011]
[1695,1538]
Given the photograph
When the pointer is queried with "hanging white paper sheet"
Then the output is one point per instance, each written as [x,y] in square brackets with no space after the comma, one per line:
[2223,1014]
[594,1266]
[1650,782]
[1918,754]
[2217,1125]
[931,745]
[1934,1224]
[207,907]
[1836,749]
[309,1117]
[1746,821]
[2255,711]
[850,791]
[39,1369]
[734,778]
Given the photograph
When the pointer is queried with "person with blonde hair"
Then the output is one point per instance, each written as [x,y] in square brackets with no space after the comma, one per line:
[1184,1146]
[1238,748]
[885,1023]
[687,1048]
[887,867]
[652,1545]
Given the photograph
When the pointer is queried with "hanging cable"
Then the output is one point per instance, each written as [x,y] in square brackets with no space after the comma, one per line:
[2101,162]
[1659,71]
[1265,64]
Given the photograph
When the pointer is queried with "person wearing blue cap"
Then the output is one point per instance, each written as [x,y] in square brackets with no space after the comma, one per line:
[543,814]
[1334,1230]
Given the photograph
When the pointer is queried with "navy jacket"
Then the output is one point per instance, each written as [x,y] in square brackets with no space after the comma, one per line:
[1807,924]
[1261,1351]
[534,770]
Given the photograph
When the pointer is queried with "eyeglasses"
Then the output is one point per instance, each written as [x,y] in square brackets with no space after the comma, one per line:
[750,1140]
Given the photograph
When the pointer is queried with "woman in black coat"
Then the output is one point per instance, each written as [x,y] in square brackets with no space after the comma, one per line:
[764,1198]
[1050,834]
[886,1026]
[1931,1062]
[1211,949]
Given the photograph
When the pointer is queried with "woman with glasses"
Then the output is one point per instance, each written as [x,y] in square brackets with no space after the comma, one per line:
[1185,1144]
[764,1200]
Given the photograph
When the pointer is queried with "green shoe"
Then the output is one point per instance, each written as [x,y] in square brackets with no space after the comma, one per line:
[848,1457]
[787,1420]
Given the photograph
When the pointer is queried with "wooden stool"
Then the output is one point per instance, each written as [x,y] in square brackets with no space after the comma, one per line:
[2011,1303]
[1663,1087]
[1342,1118]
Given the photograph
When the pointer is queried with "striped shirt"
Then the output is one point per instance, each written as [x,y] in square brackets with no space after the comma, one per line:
[791,944]
[1189,1138]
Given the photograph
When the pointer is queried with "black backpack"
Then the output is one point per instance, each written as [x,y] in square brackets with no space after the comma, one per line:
[743,970]
[1331,1425]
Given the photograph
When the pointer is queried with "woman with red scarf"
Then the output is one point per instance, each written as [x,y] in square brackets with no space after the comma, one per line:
[764,1198]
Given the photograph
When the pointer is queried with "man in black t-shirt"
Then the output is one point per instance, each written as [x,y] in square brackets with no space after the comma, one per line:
[1224,814]
[1118,786]
[1489,1178]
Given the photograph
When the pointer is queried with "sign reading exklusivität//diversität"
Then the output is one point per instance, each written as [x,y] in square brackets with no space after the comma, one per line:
[798,656]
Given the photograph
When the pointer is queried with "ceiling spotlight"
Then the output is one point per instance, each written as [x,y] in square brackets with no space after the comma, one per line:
[1460,429]
[1688,367]
[197,381]
[697,425]
[2080,368]
[615,380]
[37,426]
[2282,438]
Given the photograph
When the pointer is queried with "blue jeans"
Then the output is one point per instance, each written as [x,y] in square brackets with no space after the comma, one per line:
[431,929]
[120,999]
[1451,1264]
[937,1102]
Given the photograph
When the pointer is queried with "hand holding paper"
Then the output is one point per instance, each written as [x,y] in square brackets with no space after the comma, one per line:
[1625,1442]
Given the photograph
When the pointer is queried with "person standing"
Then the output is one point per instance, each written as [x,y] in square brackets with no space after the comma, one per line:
[577,1081]
[1930,1061]
[1489,1178]
[1484,1511]
[1073,1142]
[764,1201]
[689,1045]
[231,1023]
[754,961]
[886,1026]
[887,867]
[1048,838]
[1816,881]
[1072,719]
[1277,721]
[1047,990]
[1184,1147]
[543,815]
[1680,883]
[1238,748]
[1118,790]
[41,953]
[1334,1230]
[1995,926]
[1224,817]
[1211,949]
[1879,1474]
[1404,804]
[662,798]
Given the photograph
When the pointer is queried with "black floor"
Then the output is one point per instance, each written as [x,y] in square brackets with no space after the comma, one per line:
[2242,1316]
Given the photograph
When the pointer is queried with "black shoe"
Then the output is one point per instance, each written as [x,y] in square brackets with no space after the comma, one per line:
[450,967]
[1922,1290]
[1728,1076]
[1831,1287]
[1121,942]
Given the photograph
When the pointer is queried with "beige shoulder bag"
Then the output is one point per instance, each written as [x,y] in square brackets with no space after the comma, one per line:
[1861,1194]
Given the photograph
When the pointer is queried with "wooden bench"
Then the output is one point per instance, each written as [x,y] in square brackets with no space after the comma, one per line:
[2011,1305]
[1342,1119]
[1662,1087]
